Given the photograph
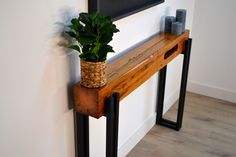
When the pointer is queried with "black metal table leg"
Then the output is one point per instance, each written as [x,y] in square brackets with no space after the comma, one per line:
[82,135]
[112,115]
[160,101]
[184,80]
[161,91]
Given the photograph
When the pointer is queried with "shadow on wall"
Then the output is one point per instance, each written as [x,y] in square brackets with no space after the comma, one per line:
[62,69]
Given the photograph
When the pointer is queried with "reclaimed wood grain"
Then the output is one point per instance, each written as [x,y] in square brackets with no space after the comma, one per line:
[129,71]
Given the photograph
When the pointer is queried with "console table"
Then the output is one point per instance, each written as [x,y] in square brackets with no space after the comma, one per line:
[125,74]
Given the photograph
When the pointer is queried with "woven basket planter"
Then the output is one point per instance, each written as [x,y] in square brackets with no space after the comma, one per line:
[93,74]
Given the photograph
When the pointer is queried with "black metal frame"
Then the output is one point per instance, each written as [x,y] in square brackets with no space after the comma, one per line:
[112,113]
[112,127]
[82,135]
[161,92]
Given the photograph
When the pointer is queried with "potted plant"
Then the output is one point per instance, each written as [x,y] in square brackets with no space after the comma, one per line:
[92,33]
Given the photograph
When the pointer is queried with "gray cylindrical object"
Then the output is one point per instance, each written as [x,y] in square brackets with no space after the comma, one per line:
[177,28]
[168,23]
[181,17]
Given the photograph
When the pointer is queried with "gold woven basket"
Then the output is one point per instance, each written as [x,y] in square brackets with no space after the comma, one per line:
[93,74]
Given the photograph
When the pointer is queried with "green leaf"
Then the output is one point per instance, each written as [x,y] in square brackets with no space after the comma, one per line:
[87,34]
[88,57]
[74,21]
[96,48]
[115,30]
[104,50]
[85,41]
[93,32]
[85,18]
[85,49]
[75,25]
[107,48]
[106,38]
[72,34]
[75,47]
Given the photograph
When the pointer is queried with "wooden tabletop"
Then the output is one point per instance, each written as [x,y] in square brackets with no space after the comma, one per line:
[128,72]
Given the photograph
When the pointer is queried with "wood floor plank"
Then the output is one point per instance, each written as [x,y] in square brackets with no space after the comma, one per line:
[209,130]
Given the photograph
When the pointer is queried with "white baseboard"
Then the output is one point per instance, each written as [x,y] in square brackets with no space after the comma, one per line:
[212,91]
[146,126]
[137,136]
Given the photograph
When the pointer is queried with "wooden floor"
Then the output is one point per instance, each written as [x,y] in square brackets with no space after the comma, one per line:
[209,130]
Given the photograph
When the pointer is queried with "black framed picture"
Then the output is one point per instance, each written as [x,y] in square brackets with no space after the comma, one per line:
[120,8]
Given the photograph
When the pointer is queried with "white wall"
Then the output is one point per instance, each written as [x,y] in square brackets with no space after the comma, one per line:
[35,74]
[212,70]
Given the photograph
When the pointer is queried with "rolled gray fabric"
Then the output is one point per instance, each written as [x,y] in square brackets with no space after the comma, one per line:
[181,17]
[168,23]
